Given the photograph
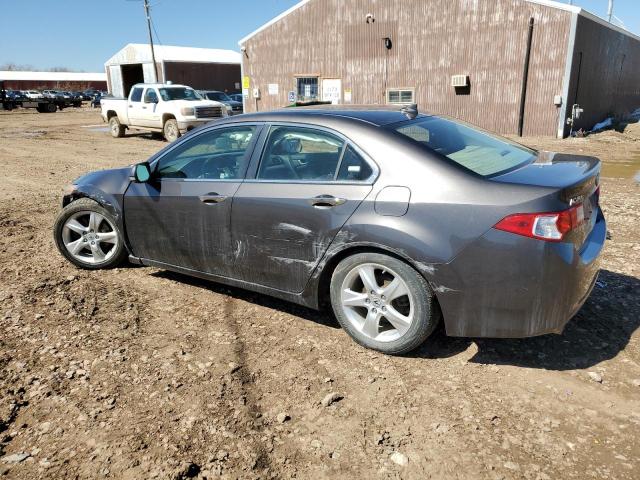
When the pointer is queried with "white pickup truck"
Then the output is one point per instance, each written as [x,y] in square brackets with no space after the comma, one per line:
[167,108]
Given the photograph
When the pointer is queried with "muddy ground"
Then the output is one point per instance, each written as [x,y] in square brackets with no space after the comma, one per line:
[140,373]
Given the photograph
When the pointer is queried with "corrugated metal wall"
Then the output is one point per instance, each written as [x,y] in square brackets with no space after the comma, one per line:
[605,76]
[204,76]
[432,40]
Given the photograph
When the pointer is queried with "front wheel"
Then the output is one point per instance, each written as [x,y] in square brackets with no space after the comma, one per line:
[87,235]
[383,303]
[170,130]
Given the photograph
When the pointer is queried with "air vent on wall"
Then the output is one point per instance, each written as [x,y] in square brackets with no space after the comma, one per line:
[460,81]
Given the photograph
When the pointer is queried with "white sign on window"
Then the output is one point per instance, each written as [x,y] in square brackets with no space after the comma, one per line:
[331,90]
[273,89]
[307,91]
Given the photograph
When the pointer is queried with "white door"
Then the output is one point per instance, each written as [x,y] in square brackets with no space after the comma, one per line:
[331,90]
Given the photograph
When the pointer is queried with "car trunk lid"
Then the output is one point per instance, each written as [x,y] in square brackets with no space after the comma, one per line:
[576,179]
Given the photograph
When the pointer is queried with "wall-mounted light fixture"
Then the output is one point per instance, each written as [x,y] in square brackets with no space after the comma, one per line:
[388,44]
[370,18]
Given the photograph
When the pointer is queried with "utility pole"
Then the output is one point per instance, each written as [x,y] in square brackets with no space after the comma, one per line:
[153,55]
[610,10]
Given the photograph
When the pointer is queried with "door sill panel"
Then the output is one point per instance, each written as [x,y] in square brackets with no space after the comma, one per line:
[298,298]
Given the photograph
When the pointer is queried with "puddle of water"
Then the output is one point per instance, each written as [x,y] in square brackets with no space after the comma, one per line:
[98,129]
[627,169]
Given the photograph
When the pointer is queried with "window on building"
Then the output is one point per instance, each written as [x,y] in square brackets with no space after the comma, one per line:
[307,88]
[400,95]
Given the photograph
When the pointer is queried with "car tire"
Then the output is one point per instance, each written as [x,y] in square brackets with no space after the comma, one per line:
[51,108]
[170,130]
[88,236]
[116,128]
[365,316]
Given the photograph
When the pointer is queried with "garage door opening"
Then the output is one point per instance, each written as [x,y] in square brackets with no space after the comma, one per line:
[131,74]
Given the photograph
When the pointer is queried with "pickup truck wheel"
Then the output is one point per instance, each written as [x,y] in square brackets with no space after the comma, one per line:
[171,130]
[116,128]
[51,108]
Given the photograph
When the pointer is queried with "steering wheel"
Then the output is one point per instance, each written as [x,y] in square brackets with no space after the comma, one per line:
[206,172]
[287,163]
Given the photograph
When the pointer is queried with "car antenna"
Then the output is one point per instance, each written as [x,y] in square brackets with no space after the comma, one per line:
[410,111]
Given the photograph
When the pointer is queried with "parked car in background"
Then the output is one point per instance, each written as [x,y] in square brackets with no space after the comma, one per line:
[51,94]
[95,101]
[233,107]
[33,94]
[236,97]
[394,218]
[167,108]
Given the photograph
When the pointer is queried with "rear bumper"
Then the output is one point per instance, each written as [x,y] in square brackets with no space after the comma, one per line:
[508,286]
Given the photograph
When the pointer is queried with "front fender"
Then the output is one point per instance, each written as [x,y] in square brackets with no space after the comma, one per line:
[112,203]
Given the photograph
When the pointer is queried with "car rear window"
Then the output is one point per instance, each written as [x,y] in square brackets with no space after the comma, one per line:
[471,148]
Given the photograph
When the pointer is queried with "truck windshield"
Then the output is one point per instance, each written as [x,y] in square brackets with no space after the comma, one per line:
[473,149]
[179,93]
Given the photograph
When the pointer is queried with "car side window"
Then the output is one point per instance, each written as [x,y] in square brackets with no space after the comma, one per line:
[298,153]
[219,154]
[136,94]
[353,167]
[150,96]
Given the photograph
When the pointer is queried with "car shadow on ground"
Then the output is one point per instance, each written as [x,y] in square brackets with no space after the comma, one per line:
[599,332]
[320,317]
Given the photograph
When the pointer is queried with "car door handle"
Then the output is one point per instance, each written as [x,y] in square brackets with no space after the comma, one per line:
[144,108]
[210,198]
[326,201]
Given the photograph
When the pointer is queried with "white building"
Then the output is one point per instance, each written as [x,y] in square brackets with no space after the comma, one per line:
[201,68]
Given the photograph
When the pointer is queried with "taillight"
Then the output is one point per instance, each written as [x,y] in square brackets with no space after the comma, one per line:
[550,226]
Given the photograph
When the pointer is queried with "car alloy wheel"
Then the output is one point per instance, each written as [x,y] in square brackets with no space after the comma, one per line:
[90,237]
[377,302]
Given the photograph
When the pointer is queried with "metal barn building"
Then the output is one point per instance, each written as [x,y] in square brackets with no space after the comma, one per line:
[509,66]
[17,80]
[200,68]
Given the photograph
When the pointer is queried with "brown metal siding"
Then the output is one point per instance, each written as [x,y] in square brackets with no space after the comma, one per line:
[432,40]
[204,76]
[608,80]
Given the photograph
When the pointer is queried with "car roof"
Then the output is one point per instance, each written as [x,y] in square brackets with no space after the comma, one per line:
[372,114]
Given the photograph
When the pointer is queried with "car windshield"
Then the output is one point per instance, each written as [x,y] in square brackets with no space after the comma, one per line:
[179,93]
[473,149]
[220,96]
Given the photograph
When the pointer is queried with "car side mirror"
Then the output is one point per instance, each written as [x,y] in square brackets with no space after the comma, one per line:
[142,172]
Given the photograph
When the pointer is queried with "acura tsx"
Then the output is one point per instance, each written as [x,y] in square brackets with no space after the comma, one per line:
[394,218]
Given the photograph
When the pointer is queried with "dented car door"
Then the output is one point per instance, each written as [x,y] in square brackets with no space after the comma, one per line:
[304,187]
[181,216]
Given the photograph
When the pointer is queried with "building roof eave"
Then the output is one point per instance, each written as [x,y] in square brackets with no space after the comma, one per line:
[274,20]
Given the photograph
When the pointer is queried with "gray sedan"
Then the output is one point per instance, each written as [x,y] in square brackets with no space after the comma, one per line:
[397,220]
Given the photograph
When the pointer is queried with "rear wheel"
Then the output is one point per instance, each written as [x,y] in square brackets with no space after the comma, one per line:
[383,303]
[171,130]
[87,235]
[116,128]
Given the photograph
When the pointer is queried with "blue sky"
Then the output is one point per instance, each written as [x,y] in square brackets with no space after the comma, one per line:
[82,34]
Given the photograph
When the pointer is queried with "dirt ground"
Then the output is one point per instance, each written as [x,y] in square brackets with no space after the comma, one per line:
[139,373]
